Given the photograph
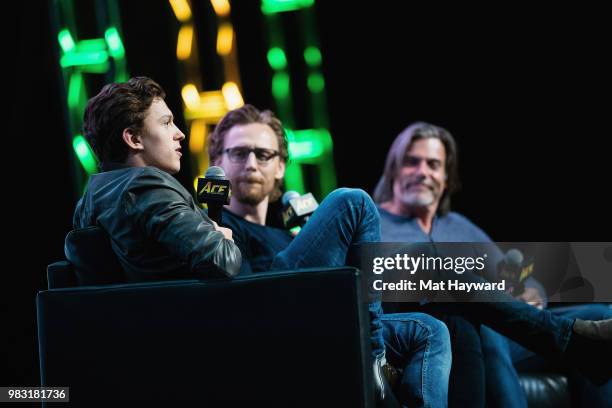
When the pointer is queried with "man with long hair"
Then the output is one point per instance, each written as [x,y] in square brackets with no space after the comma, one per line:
[413,196]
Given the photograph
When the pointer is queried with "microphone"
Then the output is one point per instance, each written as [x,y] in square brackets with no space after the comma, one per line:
[215,191]
[297,209]
[514,269]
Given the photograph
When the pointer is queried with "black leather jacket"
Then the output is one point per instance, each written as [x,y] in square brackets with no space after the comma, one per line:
[156,228]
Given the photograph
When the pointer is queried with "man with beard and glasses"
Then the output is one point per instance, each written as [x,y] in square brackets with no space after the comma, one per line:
[413,197]
[252,148]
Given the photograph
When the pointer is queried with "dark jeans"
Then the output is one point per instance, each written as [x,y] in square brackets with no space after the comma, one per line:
[540,331]
[348,216]
[467,375]
[416,343]
[503,357]
[419,345]
[345,217]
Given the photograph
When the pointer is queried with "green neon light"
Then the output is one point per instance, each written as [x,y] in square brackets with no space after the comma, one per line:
[91,45]
[115,45]
[308,144]
[74,90]
[65,40]
[310,151]
[294,179]
[312,56]
[78,58]
[305,150]
[122,76]
[280,85]
[277,58]
[327,177]
[279,6]
[316,83]
[96,68]
[72,59]
[85,154]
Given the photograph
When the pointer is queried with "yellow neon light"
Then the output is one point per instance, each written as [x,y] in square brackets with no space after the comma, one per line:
[190,96]
[225,38]
[185,40]
[197,136]
[222,7]
[231,93]
[181,9]
[212,107]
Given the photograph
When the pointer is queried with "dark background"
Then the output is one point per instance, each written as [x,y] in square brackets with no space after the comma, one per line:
[525,92]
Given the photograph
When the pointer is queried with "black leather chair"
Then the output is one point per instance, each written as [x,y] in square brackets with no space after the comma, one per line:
[279,339]
[546,390]
[296,338]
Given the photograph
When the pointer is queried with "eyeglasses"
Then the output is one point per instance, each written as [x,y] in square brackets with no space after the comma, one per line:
[240,154]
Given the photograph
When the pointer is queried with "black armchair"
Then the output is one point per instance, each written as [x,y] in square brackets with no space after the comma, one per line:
[273,339]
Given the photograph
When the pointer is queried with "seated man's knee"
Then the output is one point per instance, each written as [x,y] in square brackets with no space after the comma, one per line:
[435,326]
[422,328]
[353,196]
[349,194]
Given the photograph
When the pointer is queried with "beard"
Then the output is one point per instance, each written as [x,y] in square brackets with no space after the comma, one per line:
[418,199]
[251,193]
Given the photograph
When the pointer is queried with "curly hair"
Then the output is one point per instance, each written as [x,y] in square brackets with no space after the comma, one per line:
[118,106]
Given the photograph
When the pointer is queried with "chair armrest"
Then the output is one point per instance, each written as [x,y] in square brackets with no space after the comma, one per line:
[287,338]
[61,275]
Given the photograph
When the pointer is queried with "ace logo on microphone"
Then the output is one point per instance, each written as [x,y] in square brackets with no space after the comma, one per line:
[306,203]
[213,190]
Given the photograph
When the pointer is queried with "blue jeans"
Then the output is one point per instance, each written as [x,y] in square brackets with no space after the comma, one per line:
[466,387]
[346,217]
[503,357]
[418,344]
[349,216]
[539,330]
